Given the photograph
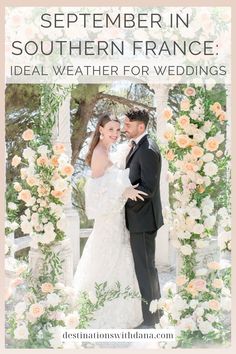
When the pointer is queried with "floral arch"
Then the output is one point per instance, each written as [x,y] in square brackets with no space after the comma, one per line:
[194,141]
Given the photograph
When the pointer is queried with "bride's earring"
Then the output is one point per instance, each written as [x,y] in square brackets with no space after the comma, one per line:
[101,136]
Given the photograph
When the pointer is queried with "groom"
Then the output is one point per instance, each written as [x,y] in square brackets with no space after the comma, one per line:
[144,218]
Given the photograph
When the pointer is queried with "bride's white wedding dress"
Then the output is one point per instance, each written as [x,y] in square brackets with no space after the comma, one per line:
[107,255]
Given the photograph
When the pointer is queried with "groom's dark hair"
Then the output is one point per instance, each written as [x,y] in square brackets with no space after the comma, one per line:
[136,114]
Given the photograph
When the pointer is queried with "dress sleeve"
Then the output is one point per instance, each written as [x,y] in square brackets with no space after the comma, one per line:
[118,157]
[103,195]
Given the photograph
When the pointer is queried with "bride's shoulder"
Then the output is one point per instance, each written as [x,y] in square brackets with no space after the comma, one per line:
[99,162]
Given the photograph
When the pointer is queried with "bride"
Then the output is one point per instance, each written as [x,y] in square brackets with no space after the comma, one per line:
[107,254]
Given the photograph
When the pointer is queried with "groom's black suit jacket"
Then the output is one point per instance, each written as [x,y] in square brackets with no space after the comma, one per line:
[145,169]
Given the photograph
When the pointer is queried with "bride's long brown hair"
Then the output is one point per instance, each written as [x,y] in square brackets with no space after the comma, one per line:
[103,120]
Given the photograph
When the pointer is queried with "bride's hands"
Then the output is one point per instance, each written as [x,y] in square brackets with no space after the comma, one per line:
[133,194]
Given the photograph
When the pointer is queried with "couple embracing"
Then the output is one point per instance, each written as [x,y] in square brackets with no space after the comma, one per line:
[124,201]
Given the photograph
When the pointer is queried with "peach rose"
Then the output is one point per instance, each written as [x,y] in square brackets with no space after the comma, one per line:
[216,107]
[214,305]
[170,155]
[190,91]
[213,265]
[67,170]
[16,161]
[32,181]
[217,283]
[185,104]
[28,135]
[47,288]
[36,310]
[182,141]
[191,288]
[42,191]
[183,121]
[212,144]
[167,113]
[59,148]
[181,280]
[25,195]
[42,161]
[169,135]
[54,161]
[17,186]
[197,151]
[57,194]
[222,116]
[200,284]
[189,166]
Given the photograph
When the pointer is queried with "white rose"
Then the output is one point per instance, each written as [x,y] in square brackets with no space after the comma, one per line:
[53,299]
[226,304]
[47,237]
[199,311]
[63,160]
[223,212]
[205,327]
[57,209]
[210,169]
[26,227]
[207,180]
[14,225]
[210,222]
[185,235]
[35,219]
[207,126]
[153,306]
[31,202]
[28,153]
[202,244]
[194,213]
[212,318]
[21,332]
[179,303]
[56,341]
[198,228]
[193,304]
[186,250]
[169,286]
[49,227]
[60,184]
[199,136]
[43,149]
[62,224]
[187,324]
[72,320]
[20,308]
[220,137]
[201,272]
[208,157]
[12,206]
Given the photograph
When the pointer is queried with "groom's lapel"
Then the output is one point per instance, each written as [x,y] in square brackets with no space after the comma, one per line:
[136,148]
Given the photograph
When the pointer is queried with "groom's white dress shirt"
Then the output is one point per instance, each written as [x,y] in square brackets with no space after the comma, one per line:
[137,140]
